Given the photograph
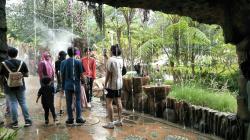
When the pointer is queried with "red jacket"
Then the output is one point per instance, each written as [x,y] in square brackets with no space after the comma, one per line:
[89,65]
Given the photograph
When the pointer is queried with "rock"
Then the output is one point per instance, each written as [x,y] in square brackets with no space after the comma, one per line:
[98,86]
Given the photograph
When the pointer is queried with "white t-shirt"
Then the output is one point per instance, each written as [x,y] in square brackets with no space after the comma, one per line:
[114,66]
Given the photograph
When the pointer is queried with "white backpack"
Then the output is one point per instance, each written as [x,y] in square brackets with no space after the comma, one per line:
[15,79]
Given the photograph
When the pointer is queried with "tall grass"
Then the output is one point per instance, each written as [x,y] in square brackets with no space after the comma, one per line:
[197,95]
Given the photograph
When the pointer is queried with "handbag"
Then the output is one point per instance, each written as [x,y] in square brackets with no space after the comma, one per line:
[124,70]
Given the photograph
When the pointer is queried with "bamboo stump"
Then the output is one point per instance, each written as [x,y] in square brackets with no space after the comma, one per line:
[156,96]
[134,98]
[169,113]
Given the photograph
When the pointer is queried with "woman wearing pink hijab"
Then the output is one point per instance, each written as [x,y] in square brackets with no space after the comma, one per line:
[45,67]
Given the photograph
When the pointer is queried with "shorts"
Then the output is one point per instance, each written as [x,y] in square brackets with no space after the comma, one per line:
[113,93]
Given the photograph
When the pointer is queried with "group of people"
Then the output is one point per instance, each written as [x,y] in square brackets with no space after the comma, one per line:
[75,79]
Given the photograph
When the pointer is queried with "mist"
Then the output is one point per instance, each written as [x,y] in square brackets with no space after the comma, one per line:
[54,39]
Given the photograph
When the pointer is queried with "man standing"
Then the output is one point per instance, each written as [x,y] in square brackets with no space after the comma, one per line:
[71,71]
[61,57]
[113,85]
[89,64]
[16,94]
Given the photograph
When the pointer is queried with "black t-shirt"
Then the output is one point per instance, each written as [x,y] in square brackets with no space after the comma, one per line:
[13,65]
[57,67]
[47,93]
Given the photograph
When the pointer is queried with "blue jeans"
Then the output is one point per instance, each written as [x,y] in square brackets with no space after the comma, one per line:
[14,97]
[69,97]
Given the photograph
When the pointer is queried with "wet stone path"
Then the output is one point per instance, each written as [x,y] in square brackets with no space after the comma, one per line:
[136,126]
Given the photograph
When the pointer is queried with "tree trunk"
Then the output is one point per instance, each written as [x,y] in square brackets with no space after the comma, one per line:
[173,71]
[3,38]
[192,62]
[118,34]
[129,45]
[177,52]
[3,30]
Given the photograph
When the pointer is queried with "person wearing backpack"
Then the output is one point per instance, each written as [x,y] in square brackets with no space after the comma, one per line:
[13,71]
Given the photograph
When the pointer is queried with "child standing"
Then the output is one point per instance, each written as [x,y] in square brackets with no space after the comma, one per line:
[47,93]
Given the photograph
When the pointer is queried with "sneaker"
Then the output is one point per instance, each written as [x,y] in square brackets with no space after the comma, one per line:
[80,121]
[110,125]
[117,123]
[88,105]
[28,123]
[69,122]
[14,125]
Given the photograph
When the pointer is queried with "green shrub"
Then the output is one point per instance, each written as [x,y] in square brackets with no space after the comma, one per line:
[168,82]
[219,78]
[197,95]
[219,81]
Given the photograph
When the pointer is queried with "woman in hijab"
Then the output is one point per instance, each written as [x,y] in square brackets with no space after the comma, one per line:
[45,67]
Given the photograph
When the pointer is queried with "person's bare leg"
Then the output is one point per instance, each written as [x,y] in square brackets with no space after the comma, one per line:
[119,108]
[110,109]
[60,102]
[110,125]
